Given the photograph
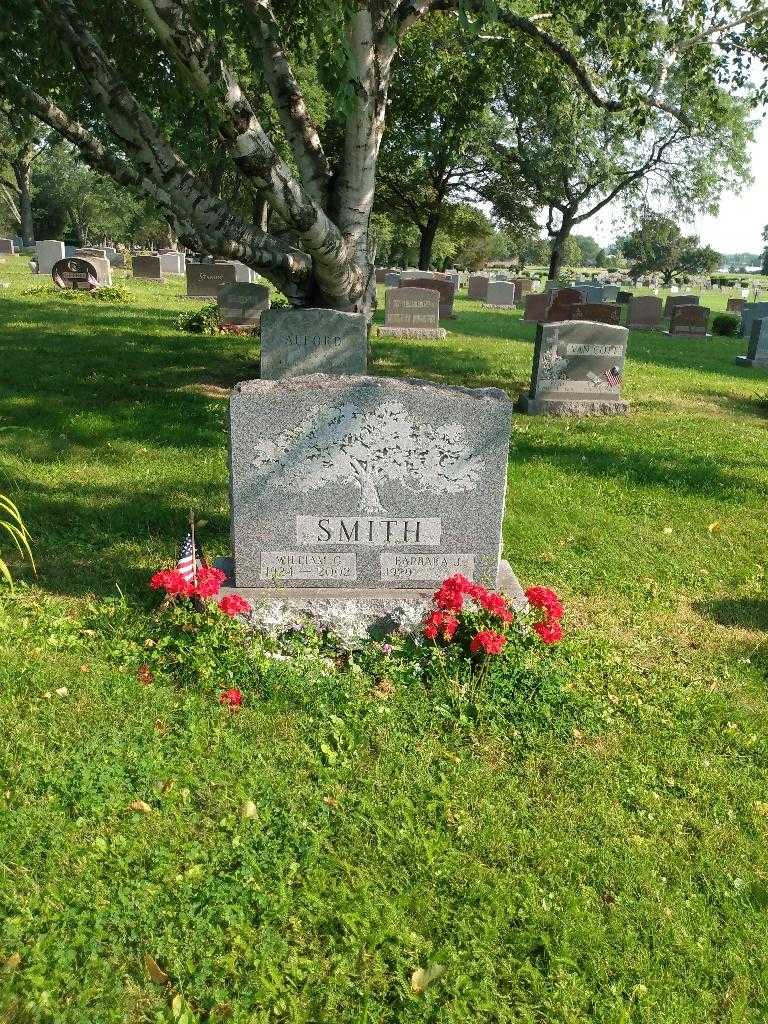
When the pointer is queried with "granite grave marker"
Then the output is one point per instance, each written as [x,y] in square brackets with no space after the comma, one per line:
[757,352]
[412,313]
[644,312]
[750,312]
[536,306]
[241,304]
[309,341]
[148,267]
[500,293]
[205,280]
[691,321]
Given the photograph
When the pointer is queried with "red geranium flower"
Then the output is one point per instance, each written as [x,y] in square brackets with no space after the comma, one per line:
[488,641]
[209,580]
[440,624]
[547,600]
[496,605]
[234,605]
[550,632]
[232,699]
[172,582]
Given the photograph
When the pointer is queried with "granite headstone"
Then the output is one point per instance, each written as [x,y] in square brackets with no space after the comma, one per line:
[500,293]
[477,286]
[148,267]
[691,321]
[7,247]
[679,300]
[75,273]
[205,280]
[441,284]
[412,313]
[536,306]
[598,312]
[644,312]
[757,352]
[309,341]
[241,304]
[48,251]
[173,262]
[750,312]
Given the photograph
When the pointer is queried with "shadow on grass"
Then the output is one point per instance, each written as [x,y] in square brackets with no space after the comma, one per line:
[745,612]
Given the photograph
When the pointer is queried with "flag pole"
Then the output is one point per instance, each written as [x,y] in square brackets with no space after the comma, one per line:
[194,545]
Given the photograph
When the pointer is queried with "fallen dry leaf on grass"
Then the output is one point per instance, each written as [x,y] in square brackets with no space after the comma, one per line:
[13,961]
[155,971]
[140,807]
[423,977]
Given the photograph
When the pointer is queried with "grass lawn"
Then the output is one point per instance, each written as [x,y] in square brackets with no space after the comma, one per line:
[598,855]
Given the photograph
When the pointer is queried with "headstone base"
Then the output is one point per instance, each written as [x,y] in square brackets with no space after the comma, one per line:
[573,406]
[350,613]
[679,334]
[746,361]
[498,305]
[412,332]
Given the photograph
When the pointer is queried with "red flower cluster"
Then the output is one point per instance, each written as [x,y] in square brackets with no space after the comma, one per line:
[209,580]
[232,699]
[549,630]
[456,589]
[440,624]
[234,605]
[487,641]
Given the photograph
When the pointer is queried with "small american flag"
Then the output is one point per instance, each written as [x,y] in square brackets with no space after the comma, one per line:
[189,562]
[613,376]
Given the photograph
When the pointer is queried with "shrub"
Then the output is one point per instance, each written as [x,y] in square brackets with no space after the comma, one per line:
[110,294]
[726,325]
[203,321]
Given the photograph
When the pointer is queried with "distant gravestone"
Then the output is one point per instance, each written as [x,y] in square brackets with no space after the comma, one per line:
[577,370]
[644,312]
[48,252]
[88,251]
[441,284]
[412,313]
[569,295]
[306,341]
[392,280]
[561,309]
[205,280]
[536,306]
[691,321]
[757,352]
[679,300]
[477,287]
[592,293]
[241,304]
[624,298]
[368,483]
[610,293]
[523,285]
[500,293]
[173,262]
[750,312]
[380,273]
[242,272]
[7,247]
[76,273]
[148,267]
[598,312]
[734,305]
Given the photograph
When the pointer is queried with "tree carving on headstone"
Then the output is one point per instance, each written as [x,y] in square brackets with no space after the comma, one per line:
[367,448]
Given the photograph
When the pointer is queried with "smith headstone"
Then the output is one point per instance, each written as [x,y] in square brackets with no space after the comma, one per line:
[577,370]
[367,483]
[309,341]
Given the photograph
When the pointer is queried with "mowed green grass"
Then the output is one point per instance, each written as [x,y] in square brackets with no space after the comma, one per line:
[607,868]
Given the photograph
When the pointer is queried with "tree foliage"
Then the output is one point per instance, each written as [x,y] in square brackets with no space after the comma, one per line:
[657,245]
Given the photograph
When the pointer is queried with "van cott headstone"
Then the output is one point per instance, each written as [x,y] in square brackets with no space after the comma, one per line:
[679,300]
[536,306]
[205,280]
[7,247]
[691,321]
[598,312]
[441,284]
[577,370]
[148,267]
[241,304]
[48,252]
[477,286]
[750,312]
[309,341]
[644,312]
[76,273]
[367,484]
[412,313]
[757,352]
[500,294]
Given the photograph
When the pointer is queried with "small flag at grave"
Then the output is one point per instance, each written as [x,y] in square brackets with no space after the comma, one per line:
[190,556]
[613,376]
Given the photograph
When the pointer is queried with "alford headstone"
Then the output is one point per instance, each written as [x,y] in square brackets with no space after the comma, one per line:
[309,341]
[241,304]
[536,306]
[757,352]
[691,321]
[205,280]
[598,312]
[76,273]
[500,293]
[644,312]
[48,251]
[577,370]
[148,267]
[750,312]
[412,313]
[366,484]
[679,300]
[477,286]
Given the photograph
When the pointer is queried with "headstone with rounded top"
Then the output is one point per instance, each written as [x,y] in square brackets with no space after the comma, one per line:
[644,312]
[75,273]
[241,304]
[305,341]
[757,352]
[577,370]
[412,313]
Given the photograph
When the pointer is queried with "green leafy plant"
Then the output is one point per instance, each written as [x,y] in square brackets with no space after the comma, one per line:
[203,321]
[13,525]
[726,325]
[109,294]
